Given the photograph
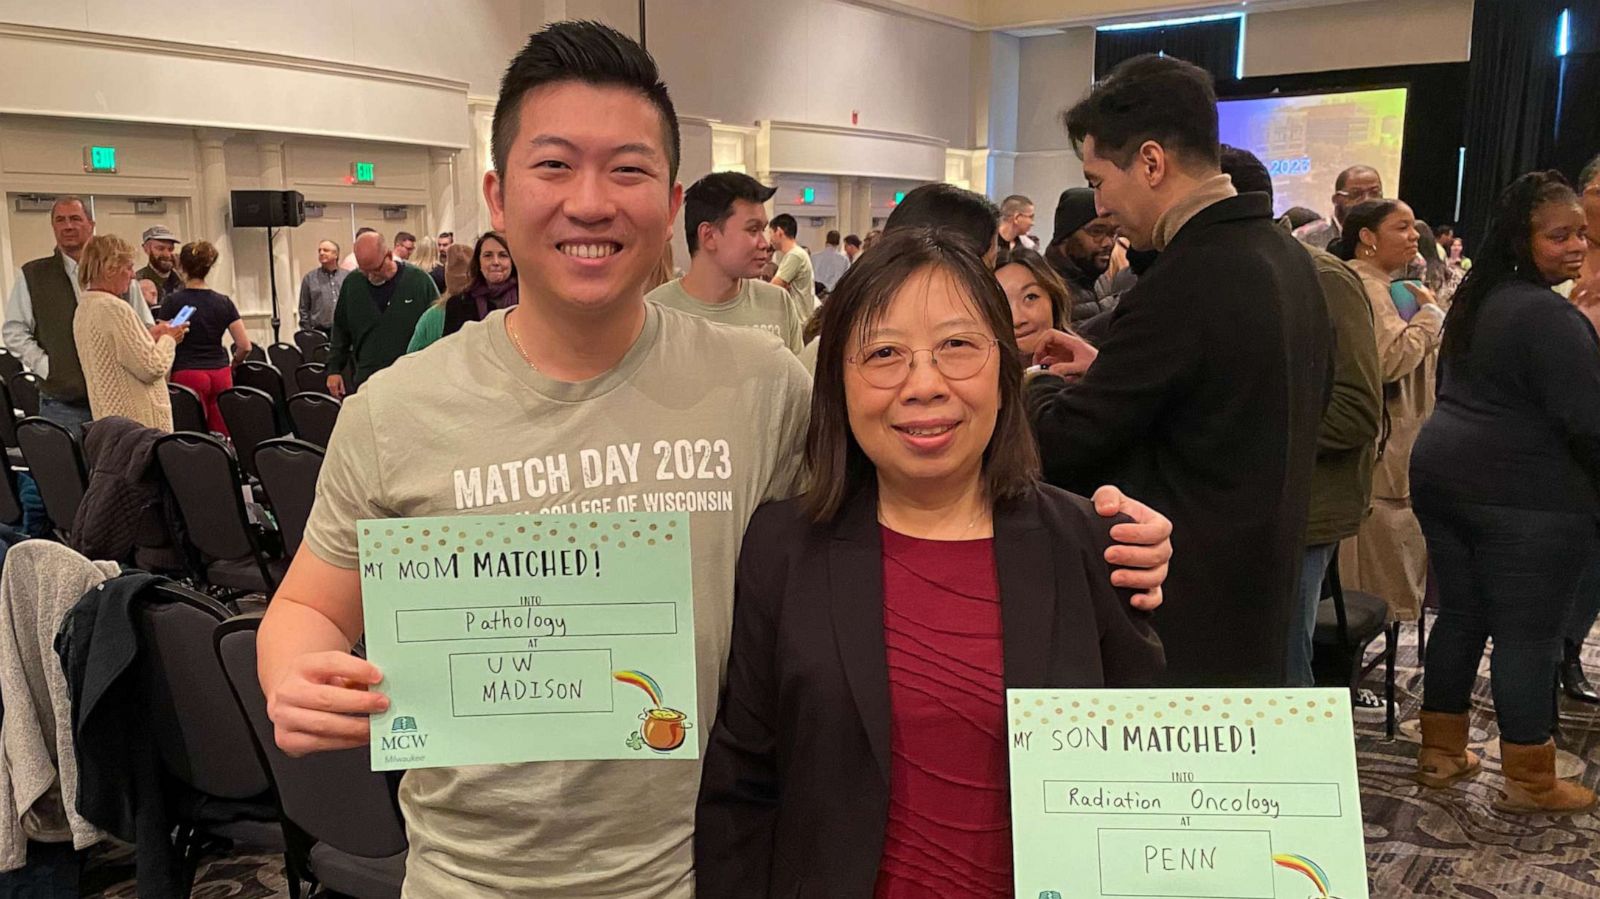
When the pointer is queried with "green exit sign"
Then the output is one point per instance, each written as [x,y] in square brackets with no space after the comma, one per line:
[899,197]
[100,159]
[809,195]
[363,172]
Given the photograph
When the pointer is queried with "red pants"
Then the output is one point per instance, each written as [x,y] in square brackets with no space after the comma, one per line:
[208,383]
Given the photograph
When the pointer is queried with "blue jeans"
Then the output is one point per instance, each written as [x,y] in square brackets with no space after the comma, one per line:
[1510,574]
[72,416]
[1303,618]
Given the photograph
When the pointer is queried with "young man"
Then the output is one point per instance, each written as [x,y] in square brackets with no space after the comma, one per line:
[1209,386]
[725,226]
[405,243]
[852,247]
[1016,225]
[584,187]
[795,273]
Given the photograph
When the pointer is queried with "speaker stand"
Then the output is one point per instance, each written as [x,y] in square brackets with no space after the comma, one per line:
[272,279]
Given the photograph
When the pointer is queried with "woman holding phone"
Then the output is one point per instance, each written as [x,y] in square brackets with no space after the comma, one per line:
[880,617]
[124,362]
[202,365]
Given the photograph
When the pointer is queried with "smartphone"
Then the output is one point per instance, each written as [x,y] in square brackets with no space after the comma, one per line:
[182,318]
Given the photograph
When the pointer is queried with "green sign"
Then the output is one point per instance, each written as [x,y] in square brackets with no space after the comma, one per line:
[530,638]
[100,159]
[364,173]
[899,197]
[809,195]
[1185,794]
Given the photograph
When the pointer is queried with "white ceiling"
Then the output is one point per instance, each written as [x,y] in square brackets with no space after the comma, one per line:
[1029,18]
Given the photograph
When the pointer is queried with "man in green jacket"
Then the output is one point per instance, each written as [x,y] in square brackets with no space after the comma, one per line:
[378,308]
[1341,484]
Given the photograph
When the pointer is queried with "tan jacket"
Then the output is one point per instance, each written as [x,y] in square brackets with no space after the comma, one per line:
[125,371]
[1407,355]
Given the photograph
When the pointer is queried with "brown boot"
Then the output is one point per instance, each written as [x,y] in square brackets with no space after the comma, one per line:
[1444,758]
[1531,784]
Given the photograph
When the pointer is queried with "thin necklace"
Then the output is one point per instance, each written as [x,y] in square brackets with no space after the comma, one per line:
[970,525]
[517,342]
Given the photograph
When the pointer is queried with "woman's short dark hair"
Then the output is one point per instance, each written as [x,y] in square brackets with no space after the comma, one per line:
[837,467]
[1045,276]
[970,215]
[1506,254]
[586,53]
[1367,215]
[476,266]
[1149,98]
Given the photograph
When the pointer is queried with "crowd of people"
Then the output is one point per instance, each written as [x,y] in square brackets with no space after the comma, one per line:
[919,414]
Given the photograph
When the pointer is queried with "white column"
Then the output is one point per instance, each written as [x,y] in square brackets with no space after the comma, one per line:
[441,189]
[861,211]
[213,218]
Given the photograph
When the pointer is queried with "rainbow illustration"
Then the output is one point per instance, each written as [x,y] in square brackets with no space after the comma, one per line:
[643,681]
[1305,866]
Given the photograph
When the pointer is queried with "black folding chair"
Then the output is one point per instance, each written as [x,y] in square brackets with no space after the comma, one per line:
[307,339]
[286,357]
[25,392]
[10,365]
[229,547]
[314,415]
[289,470]
[311,377]
[319,354]
[188,411]
[342,826]
[264,376]
[8,417]
[1348,621]
[251,417]
[257,353]
[204,741]
[55,460]
[10,500]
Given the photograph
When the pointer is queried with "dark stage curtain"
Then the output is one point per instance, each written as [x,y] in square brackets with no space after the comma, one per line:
[1577,137]
[1213,46]
[1511,100]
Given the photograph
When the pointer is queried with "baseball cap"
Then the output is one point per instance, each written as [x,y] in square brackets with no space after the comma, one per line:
[158,232]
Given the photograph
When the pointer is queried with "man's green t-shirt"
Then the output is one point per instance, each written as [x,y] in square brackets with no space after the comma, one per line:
[758,305]
[795,270]
[497,437]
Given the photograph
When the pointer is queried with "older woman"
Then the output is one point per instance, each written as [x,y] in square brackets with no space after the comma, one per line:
[879,618]
[1038,297]
[1388,556]
[124,363]
[493,286]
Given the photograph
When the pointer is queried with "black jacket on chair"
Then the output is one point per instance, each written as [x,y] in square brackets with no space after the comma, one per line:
[794,795]
[1205,403]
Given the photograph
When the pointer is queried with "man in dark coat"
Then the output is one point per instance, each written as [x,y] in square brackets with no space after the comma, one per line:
[1206,393]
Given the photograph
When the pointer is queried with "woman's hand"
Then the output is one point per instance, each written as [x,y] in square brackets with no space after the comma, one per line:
[166,329]
[1143,549]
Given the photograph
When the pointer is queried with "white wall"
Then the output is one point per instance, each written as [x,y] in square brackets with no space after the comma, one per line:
[1054,71]
[814,61]
[462,40]
[1358,36]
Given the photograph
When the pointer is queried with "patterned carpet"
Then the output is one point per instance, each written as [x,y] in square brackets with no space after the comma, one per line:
[1449,843]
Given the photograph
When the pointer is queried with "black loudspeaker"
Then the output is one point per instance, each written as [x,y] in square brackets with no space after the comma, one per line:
[268,208]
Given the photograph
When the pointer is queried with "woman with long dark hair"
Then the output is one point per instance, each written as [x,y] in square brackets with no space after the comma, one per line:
[1507,484]
[493,286]
[1388,556]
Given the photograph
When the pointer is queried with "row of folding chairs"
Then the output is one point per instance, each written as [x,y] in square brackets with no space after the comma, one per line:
[337,820]
[253,415]
[231,541]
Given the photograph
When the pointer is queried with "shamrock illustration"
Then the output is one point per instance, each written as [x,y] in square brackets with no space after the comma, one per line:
[634,741]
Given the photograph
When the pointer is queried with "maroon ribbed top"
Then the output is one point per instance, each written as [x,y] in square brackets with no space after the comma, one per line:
[949,830]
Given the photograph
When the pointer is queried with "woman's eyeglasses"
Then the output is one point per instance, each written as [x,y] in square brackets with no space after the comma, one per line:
[958,357]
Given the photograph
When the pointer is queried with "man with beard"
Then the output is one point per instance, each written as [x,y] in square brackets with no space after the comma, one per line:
[160,246]
[1080,250]
[725,226]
